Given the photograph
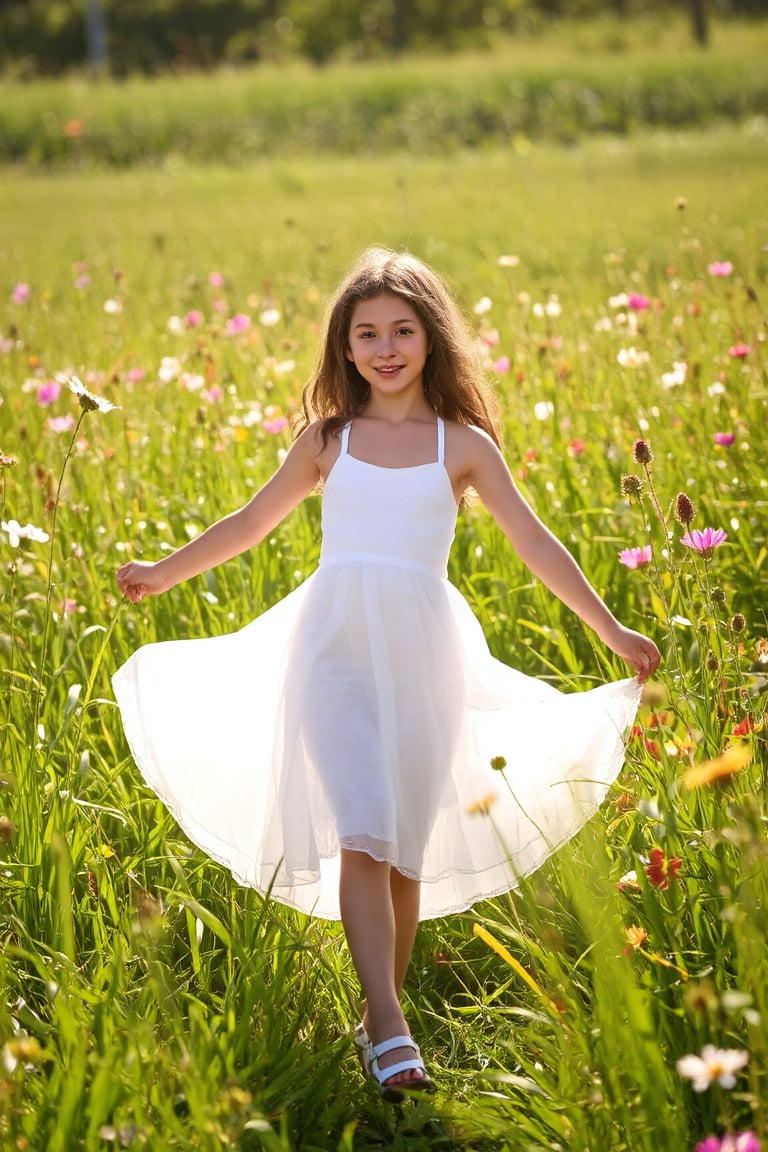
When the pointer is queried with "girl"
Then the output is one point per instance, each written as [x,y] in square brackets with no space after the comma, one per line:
[337,751]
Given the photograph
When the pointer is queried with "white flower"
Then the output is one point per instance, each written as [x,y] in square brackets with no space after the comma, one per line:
[632,357]
[113,307]
[483,305]
[16,533]
[543,410]
[676,376]
[714,1064]
[603,324]
[175,325]
[192,381]
[168,370]
[717,388]
[552,307]
[88,401]
[508,261]
[269,317]
[620,301]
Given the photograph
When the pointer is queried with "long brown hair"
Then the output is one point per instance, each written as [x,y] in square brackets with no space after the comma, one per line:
[454,382]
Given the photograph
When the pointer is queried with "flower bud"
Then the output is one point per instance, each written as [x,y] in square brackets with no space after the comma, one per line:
[498,763]
[642,452]
[685,510]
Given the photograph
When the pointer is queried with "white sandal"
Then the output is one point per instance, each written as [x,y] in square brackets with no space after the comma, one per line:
[394,1093]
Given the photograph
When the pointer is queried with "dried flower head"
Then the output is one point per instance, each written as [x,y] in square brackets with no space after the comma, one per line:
[685,509]
[738,623]
[712,662]
[642,452]
[631,486]
[717,596]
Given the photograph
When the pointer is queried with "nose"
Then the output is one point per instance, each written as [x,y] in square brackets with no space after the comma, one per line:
[387,346]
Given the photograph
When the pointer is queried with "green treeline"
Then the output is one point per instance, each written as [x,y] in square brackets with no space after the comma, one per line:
[125,37]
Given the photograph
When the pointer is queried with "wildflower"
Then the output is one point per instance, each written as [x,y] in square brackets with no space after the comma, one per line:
[685,509]
[631,486]
[635,557]
[717,596]
[628,882]
[738,1142]
[738,623]
[63,423]
[482,806]
[168,370]
[498,763]
[501,365]
[739,351]
[676,377]
[136,375]
[732,760]
[269,317]
[508,261]
[704,541]
[746,726]
[552,308]
[215,279]
[681,203]
[637,302]
[21,293]
[724,439]
[636,936]
[175,325]
[88,402]
[82,281]
[193,319]
[632,357]
[714,1064]
[16,533]
[237,323]
[720,268]
[7,461]
[48,393]
[642,453]
[761,647]
[662,869]
[543,409]
[113,307]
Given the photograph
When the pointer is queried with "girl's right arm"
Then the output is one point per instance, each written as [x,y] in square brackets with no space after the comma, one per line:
[296,477]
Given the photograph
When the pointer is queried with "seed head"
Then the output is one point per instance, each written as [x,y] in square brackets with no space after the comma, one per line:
[631,486]
[712,662]
[685,509]
[642,452]
[717,596]
[738,623]
[498,763]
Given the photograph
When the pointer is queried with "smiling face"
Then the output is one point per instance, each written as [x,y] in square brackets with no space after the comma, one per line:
[388,344]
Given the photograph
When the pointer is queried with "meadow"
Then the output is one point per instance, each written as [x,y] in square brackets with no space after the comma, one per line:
[617,289]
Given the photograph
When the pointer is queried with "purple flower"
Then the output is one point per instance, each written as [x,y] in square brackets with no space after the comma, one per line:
[720,268]
[48,393]
[637,302]
[724,439]
[21,293]
[635,557]
[237,323]
[740,1142]
[704,540]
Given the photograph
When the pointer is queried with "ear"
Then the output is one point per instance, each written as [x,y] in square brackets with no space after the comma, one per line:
[348,353]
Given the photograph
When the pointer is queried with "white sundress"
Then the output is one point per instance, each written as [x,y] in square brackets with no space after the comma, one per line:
[363,711]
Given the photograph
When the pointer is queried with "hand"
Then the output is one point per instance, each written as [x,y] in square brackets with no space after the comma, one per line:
[637,650]
[139,578]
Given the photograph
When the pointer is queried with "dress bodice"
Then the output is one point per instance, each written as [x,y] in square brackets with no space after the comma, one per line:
[402,516]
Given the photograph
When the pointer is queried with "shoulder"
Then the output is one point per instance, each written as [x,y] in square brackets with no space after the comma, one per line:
[468,446]
[310,448]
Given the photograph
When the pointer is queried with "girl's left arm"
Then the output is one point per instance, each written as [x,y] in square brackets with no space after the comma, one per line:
[548,559]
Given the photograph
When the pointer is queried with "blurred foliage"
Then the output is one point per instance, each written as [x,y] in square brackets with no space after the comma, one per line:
[49,37]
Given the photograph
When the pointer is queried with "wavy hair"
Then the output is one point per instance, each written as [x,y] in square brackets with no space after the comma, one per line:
[454,382]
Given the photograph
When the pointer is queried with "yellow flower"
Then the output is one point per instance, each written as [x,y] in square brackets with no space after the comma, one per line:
[482,806]
[636,936]
[732,760]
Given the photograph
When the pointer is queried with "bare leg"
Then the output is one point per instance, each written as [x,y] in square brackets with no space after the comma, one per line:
[379,911]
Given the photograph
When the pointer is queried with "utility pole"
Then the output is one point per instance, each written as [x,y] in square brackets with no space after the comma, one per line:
[97,37]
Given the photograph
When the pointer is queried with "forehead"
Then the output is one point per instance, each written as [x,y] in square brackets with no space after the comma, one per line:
[386,308]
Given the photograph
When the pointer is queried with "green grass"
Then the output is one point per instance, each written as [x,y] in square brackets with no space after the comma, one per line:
[603,79]
[148,1000]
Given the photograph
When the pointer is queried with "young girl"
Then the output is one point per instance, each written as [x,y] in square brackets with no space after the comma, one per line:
[337,751]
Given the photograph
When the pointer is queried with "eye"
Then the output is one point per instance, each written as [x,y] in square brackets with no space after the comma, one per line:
[405,332]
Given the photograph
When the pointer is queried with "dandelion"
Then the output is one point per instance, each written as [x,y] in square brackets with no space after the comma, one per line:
[739,351]
[21,293]
[87,400]
[661,869]
[732,760]
[737,1142]
[718,1065]
[685,509]
[16,533]
[724,439]
[720,268]
[635,557]
[704,541]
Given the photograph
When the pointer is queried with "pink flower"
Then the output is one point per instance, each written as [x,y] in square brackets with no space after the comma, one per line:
[720,268]
[635,557]
[637,302]
[739,351]
[276,425]
[82,281]
[576,447]
[724,439]
[21,293]
[503,364]
[215,279]
[705,540]
[212,394]
[237,323]
[740,1142]
[48,393]
[136,375]
[61,423]
[193,319]
[69,606]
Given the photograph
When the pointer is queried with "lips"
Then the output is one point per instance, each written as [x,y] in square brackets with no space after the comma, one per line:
[390,369]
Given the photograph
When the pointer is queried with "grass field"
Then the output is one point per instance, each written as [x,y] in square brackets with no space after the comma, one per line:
[148,1001]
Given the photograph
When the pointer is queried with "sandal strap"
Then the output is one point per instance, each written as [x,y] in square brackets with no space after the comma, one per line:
[396,1042]
[385,1074]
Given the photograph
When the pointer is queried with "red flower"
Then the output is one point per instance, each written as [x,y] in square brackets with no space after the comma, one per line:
[746,726]
[661,869]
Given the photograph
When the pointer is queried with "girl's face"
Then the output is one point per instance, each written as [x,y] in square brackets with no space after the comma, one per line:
[388,344]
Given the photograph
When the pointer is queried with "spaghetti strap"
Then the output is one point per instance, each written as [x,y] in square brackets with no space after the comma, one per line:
[440,440]
[345,439]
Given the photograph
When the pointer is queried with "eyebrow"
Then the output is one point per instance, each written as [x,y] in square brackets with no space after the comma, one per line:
[407,320]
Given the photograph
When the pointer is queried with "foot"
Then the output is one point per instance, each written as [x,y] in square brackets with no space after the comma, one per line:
[412,1077]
